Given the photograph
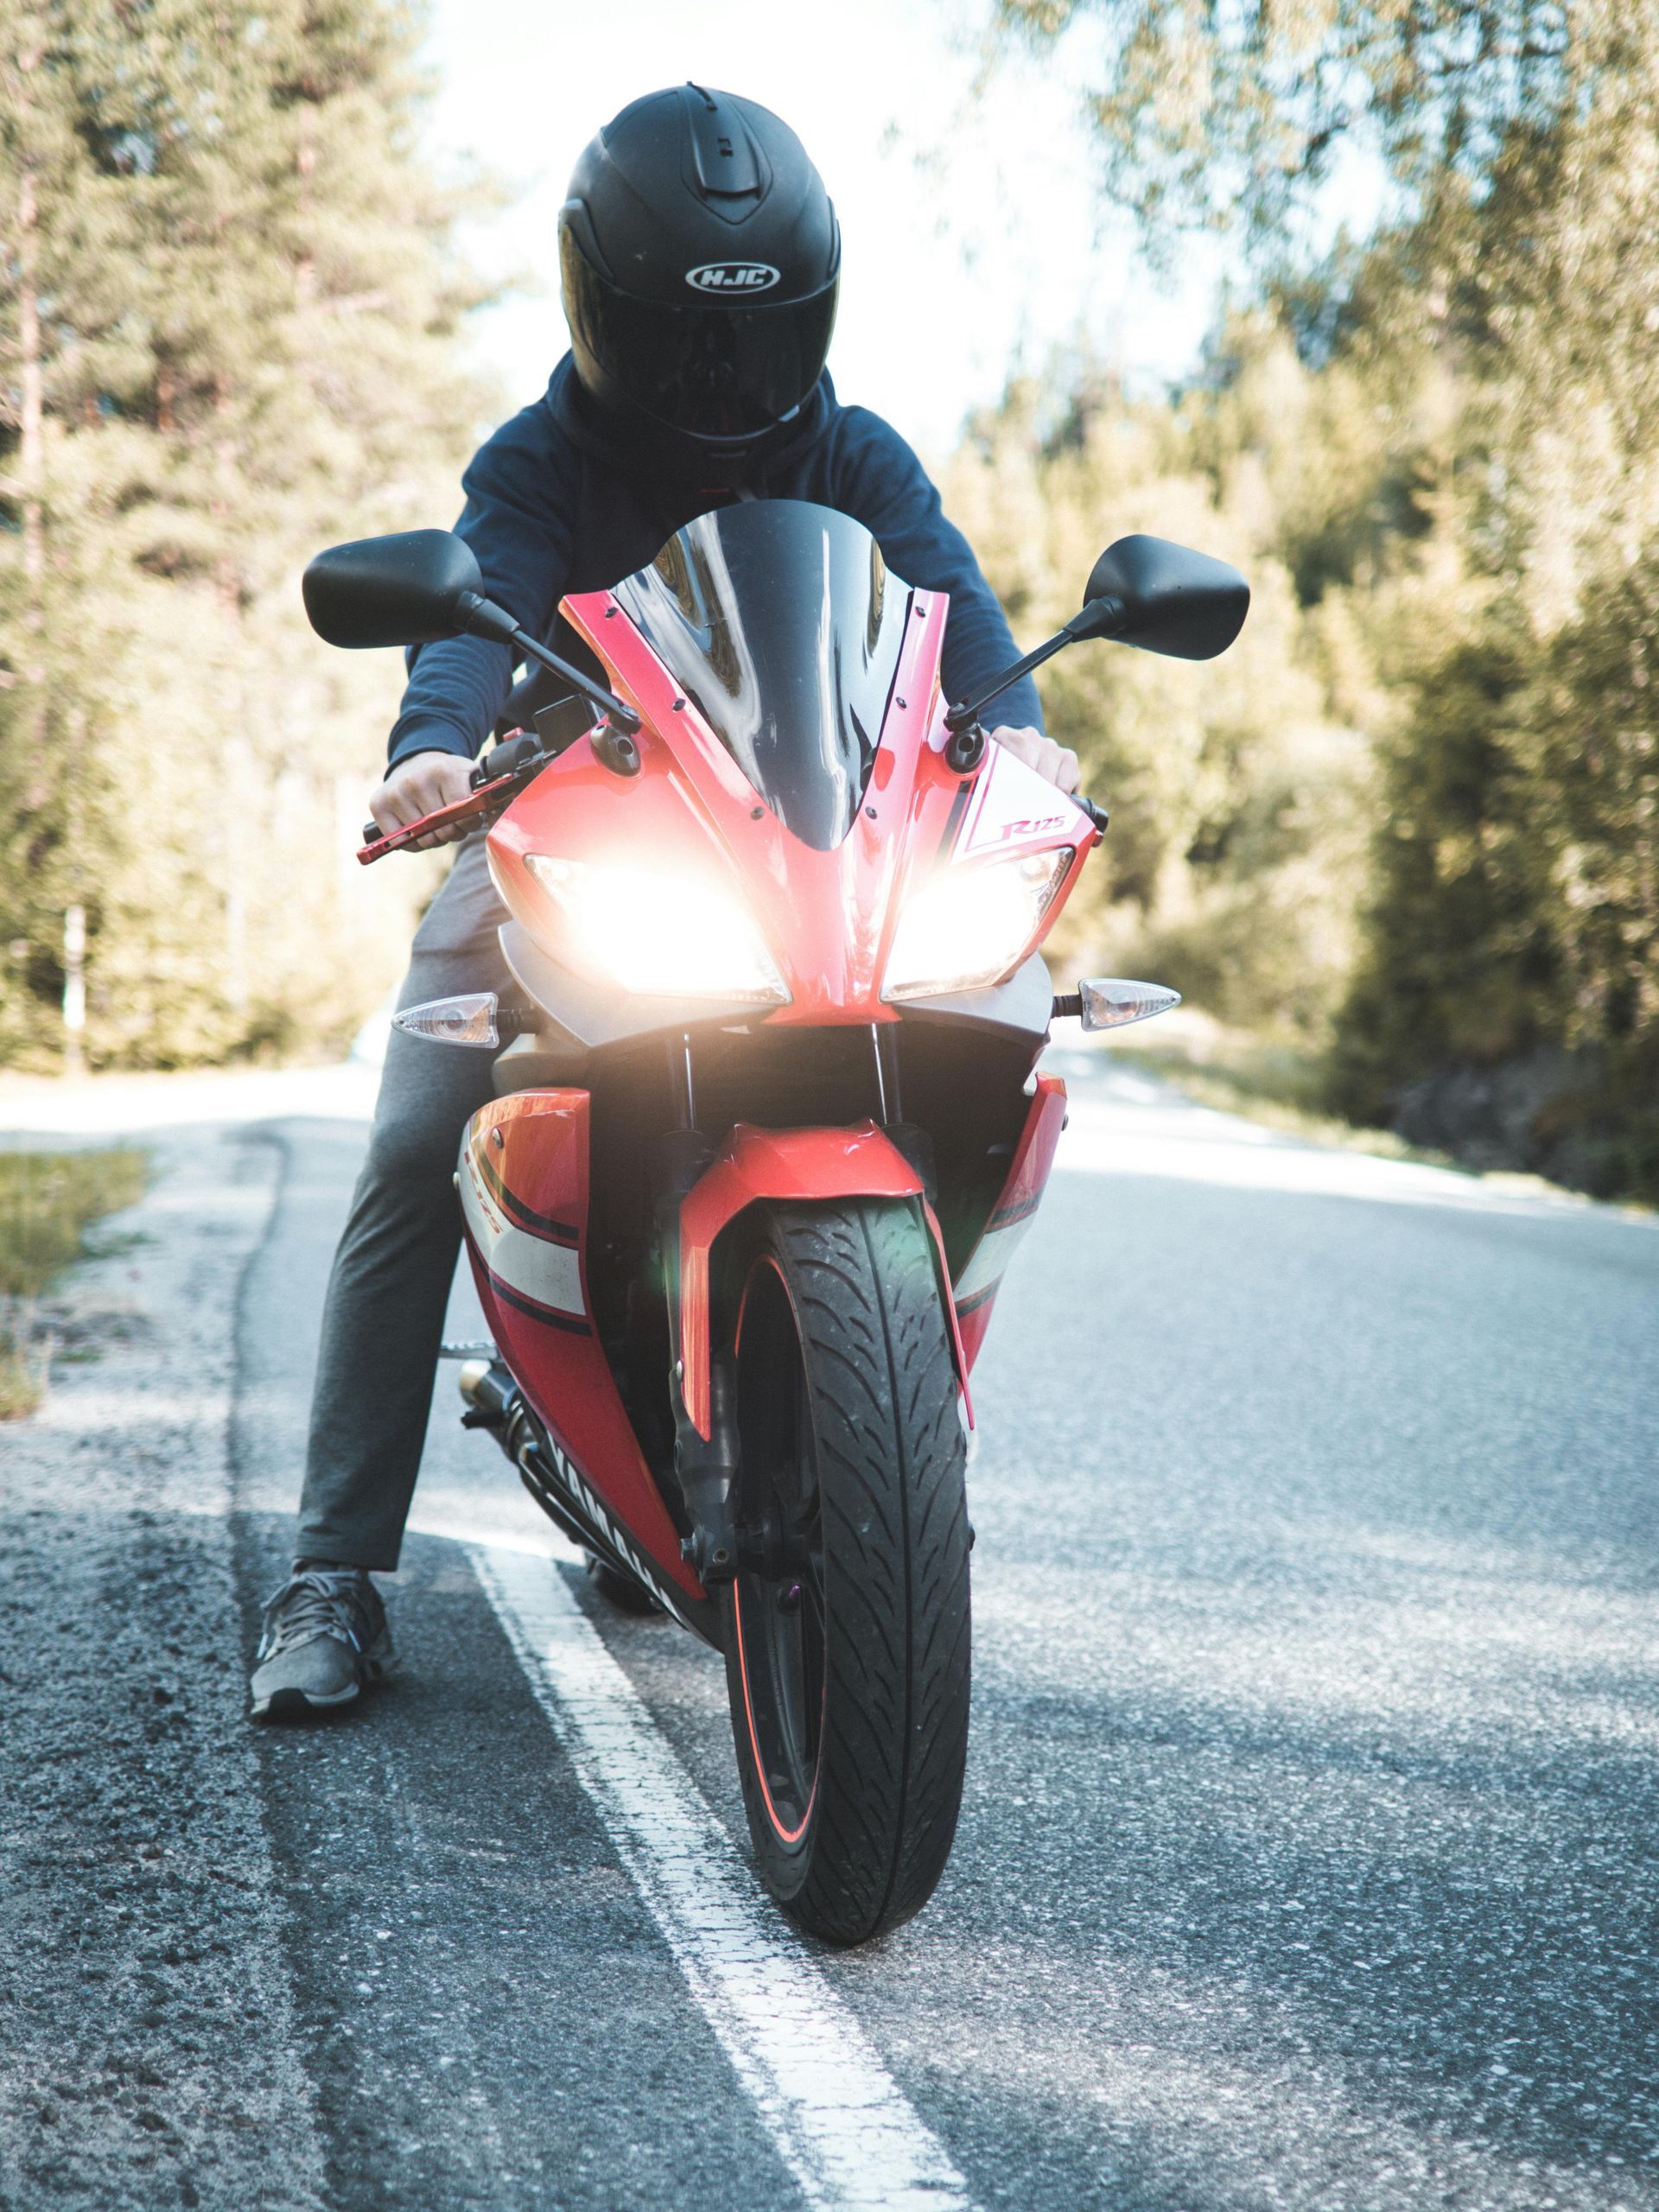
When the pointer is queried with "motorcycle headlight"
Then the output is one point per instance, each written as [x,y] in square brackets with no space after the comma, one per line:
[657,933]
[968,926]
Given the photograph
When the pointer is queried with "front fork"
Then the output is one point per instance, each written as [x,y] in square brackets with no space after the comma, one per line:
[702,1188]
[705,1466]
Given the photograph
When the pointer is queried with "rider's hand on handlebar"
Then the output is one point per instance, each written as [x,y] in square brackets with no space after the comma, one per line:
[1040,753]
[420,783]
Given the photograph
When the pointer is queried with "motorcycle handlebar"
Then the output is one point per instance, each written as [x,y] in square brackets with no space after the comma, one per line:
[491,793]
[965,749]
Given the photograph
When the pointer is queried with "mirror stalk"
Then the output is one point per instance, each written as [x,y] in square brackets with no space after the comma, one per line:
[1098,620]
[484,618]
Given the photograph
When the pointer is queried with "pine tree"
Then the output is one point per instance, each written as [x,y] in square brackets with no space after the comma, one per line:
[64,339]
[1234,789]
[1477,507]
[252,349]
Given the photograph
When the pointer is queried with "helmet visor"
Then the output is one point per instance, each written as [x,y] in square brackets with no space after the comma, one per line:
[718,372]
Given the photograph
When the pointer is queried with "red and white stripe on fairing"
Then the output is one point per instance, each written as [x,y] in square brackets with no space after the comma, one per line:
[534,1260]
[991,1255]
[975,1289]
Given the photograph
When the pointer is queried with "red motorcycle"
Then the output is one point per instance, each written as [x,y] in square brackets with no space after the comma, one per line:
[768,1127]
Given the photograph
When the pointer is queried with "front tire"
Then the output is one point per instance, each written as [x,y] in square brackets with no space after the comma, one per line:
[848,1629]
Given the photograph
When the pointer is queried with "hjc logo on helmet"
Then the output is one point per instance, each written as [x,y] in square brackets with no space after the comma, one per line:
[733,277]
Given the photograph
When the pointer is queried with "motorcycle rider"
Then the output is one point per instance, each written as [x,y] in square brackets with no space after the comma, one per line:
[699,262]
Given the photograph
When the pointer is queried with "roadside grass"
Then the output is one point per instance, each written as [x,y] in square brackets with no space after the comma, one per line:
[48,1201]
[1279,1086]
[1271,1089]
[1276,1084]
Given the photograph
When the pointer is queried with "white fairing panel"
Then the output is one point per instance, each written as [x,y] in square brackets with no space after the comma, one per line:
[990,1258]
[532,1266]
[1012,807]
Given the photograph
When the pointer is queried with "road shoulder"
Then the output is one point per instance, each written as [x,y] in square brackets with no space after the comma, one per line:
[148,2054]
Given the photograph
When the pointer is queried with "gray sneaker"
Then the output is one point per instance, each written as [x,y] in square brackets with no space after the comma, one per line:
[325,1640]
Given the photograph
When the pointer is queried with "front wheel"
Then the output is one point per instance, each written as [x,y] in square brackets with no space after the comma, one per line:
[847,1642]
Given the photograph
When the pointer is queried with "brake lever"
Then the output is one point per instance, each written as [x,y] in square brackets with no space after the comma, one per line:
[487,797]
[528,753]
[477,804]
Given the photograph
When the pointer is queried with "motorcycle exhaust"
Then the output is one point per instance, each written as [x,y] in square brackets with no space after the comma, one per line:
[707,1467]
[495,1401]
[490,1392]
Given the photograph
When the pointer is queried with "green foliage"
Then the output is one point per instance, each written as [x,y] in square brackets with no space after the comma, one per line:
[1514,913]
[1599,714]
[229,333]
[48,1202]
[1236,791]
[1457,958]
[1440,455]
[1224,117]
[1511,922]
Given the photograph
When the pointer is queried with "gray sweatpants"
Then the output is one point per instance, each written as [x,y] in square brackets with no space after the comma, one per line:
[383,1319]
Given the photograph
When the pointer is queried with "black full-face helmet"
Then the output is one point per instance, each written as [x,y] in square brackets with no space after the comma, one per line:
[699,256]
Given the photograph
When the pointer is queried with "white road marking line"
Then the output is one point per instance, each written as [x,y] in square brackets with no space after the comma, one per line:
[841,2125]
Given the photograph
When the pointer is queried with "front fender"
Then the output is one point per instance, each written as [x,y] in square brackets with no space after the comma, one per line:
[859,1162]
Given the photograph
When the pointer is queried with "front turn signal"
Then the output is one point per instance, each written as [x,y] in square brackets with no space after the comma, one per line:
[469,1018]
[1110,1001]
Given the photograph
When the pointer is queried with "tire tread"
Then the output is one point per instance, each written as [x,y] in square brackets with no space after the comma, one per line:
[882,1385]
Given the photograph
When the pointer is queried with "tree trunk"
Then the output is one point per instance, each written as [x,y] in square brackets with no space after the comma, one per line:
[238,754]
[31,455]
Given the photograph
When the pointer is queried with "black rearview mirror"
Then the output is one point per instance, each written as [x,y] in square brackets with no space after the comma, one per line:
[409,589]
[1142,591]
[419,586]
[1146,592]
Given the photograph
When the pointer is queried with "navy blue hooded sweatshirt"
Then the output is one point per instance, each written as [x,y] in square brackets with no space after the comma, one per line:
[561,501]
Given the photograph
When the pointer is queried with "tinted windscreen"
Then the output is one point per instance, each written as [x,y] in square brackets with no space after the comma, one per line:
[781,620]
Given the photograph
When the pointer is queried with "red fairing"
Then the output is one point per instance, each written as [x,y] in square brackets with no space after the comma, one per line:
[860,1162]
[828,917]
[523,1193]
[976,1286]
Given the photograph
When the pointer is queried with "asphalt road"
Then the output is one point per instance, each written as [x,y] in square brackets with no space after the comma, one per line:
[1306,1859]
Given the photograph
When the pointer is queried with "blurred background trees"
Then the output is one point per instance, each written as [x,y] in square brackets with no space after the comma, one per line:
[1418,829]
[228,333]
